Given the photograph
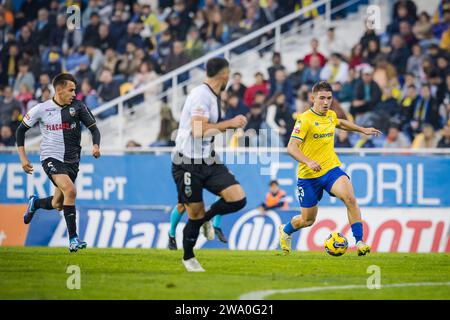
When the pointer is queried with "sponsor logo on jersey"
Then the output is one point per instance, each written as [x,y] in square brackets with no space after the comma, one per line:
[323,135]
[58,126]
[72,111]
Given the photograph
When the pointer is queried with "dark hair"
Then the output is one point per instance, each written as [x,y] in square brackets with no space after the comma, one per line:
[321,86]
[215,65]
[62,78]
[273,182]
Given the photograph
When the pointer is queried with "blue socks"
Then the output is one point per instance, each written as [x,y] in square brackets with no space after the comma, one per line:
[357,229]
[175,217]
[289,228]
[217,220]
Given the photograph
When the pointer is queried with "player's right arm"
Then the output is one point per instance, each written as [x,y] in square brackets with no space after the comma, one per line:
[28,121]
[297,137]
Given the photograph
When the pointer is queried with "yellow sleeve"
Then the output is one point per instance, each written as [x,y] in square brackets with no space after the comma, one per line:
[300,129]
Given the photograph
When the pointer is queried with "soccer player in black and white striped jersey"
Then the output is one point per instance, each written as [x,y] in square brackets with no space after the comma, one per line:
[60,120]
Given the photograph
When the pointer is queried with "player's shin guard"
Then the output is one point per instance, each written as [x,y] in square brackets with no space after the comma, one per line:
[71,221]
[190,235]
[222,207]
[45,203]
[357,229]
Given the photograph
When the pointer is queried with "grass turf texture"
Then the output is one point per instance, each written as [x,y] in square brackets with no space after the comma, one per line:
[40,273]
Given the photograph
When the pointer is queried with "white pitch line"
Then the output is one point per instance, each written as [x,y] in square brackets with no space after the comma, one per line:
[260,295]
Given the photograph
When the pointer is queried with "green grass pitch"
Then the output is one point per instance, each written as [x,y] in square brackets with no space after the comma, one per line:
[40,273]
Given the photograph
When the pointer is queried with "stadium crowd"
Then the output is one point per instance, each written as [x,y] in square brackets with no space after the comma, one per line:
[397,80]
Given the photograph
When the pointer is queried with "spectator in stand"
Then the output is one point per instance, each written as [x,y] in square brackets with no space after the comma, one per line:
[26,41]
[42,28]
[335,70]
[408,103]
[422,28]
[415,61]
[9,65]
[445,140]
[402,14]
[129,64]
[177,30]
[95,57]
[385,73]
[7,138]
[296,77]
[24,76]
[367,93]
[372,52]
[428,138]
[407,35]
[395,138]
[254,136]
[341,139]
[368,36]
[279,119]
[105,39]
[217,29]
[232,14]
[146,75]
[58,32]
[8,104]
[111,61]
[235,106]
[311,74]
[283,85]
[237,87]
[201,23]
[356,56]
[176,59]
[16,119]
[194,44]
[332,44]
[108,90]
[84,72]
[441,26]
[399,54]
[91,34]
[164,47]
[315,53]
[259,85]
[276,65]
[426,110]
[88,94]
[24,96]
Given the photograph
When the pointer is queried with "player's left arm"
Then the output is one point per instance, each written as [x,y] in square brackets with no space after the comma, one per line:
[350,126]
[88,120]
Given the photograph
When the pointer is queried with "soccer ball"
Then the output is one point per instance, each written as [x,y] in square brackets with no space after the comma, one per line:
[336,244]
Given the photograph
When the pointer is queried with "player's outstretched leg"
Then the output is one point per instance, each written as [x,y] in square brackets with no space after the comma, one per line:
[343,189]
[175,217]
[306,219]
[217,221]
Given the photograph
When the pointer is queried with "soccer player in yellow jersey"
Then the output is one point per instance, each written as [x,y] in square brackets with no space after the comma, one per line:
[312,145]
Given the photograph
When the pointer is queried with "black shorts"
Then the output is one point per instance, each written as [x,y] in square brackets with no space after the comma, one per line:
[52,166]
[191,179]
